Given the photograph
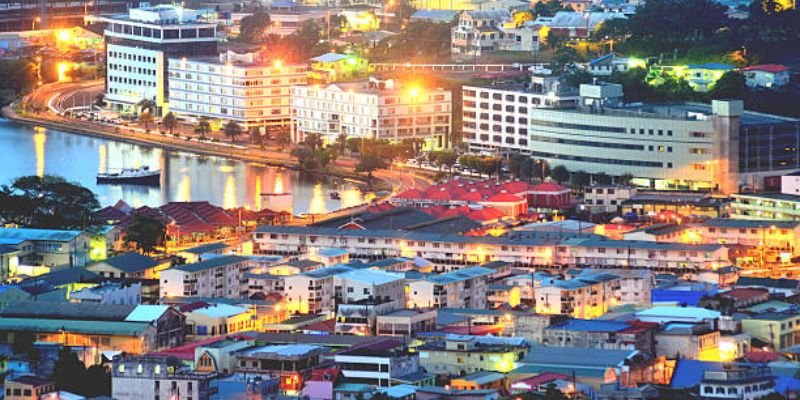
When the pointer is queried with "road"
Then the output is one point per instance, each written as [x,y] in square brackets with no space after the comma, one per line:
[48,101]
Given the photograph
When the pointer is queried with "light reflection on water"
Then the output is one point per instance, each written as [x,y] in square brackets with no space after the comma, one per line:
[185,176]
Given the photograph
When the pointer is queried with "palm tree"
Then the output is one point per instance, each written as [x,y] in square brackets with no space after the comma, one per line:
[232,130]
[341,142]
[202,128]
[146,118]
[169,122]
[146,105]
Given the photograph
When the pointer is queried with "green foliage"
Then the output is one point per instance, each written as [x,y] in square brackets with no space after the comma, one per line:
[283,138]
[483,164]
[548,8]
[370,162]
[665,23]
[232,129]
[732,85]
[255,28]
[419,41]
[580,179]
[306,157]
[48,202]
[305,43]
[71,375]
[146,106]
[313,140]
[559,173]
[145,233]
[169,122]
[202,127]
[16,78]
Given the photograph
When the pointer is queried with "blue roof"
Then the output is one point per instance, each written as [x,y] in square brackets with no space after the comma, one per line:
[131,262]
[370,276]
[220,311]
[601,58]
[590,325]
[332,252]
[689,373]
[211,263]
[4,249]
[400,391]
[146,313]
[330,57]
[206,248]
[328,271]
[712,66]
[53,235]
[460,275]
[691,298]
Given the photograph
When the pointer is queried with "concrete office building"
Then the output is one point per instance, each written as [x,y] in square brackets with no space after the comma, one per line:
[138,45]
[665,146]
[496,117]
[372,109]
[250,89]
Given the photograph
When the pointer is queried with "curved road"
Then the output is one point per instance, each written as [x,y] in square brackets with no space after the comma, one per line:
[55,98]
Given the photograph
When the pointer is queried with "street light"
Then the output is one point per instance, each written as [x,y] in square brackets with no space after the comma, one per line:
[33,23]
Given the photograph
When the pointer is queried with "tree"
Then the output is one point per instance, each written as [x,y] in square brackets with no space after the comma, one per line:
[354,145]
[580,179]
[447,159]
[548,8]
[48,202]
[100,100]
[97,382]
[731,85]
[602,178]
[255,28]
[232,130]
[341,143]
[24,344]
[306,157]
[370,162]
[145,233]
[559,173]
[313,140]
[202,128]
[16,77]
[169,122]
[516,164]
[146,118]
[146,105]
[283,139]
[68,371]
[625,179]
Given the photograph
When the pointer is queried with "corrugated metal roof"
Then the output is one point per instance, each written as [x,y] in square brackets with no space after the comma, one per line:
[52,235]
[131,262]
[211,263]
[72,326]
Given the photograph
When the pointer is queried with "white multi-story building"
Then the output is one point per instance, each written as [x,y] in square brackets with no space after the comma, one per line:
[138,45]
[312,292]
[585,297]
[481,32]
[354,286]
[373,109]
[536,249]
[496,117]
[464,288]
[250,89]
[215,277]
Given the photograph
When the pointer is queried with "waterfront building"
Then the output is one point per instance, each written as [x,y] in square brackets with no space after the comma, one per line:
[496,116]
[537,249]
[215,277]
[139,44]
[664,146]
[373,109]
[464,288]
[158,377]
[250,89]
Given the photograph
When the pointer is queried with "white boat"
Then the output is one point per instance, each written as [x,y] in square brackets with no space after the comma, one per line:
[133,176]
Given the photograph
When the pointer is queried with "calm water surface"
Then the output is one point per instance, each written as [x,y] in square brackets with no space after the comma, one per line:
[184,176]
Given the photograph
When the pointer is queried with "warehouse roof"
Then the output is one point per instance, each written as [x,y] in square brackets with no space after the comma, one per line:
[51,235]
[73,326]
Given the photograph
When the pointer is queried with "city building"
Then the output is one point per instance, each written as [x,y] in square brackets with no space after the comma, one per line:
[373,109]
[496,117]
[481,32]
[607,198]
[694,342]
[291,363]
[779,329]
[610,63]
[287,18]
[746,382]
[47,247]
[675,146]
[378,364]
[109,293]
[251,89]
[586,297]
[312,292]
[458,355]
[405,323]
[354,286]
[464,288]
[27,387]
[335,67]
[128,265]
[158,377]
[766,206]
[480,380]
[219,356]
[218,319]
[767,76]
[702,77]
[600,334]
[574,24]
[139,45]
[215,277]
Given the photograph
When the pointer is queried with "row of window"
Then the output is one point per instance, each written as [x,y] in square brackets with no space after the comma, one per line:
[131,57]
[127,81]
[133,70]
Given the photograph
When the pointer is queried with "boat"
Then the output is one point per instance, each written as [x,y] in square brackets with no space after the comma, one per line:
[132,176]
[335,195]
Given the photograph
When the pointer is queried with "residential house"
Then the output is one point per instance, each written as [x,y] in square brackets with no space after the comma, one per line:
[48,247]
[214,277]
[694,342]
[334,67]
[292,363]
[779,329]
[767,75]
[379,364]
[129,265]
[464,288]
[465,354]
[158,377]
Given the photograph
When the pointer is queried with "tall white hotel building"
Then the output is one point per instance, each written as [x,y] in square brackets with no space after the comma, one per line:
[138,45]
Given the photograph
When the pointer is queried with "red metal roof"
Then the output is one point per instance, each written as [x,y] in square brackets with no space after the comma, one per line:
[504,198]
[549,187]
[773,68]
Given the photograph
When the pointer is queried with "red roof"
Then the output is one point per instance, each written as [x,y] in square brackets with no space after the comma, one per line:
[325,374]
[516,187]
[329,325]
[745,293]
[762,356]
[471,196]
[549,187]
[410,194]
[442,195]
[536,381]
[504,198]
[485,214]
[480,330]
[773,68]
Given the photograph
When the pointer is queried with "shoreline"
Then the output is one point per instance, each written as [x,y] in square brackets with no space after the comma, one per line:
[207,149]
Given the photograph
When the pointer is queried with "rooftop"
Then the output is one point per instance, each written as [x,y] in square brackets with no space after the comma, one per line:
[206,248]
[371,277]
[283,351]
[131,262]
[460,275]
[211,263]
[50,235]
